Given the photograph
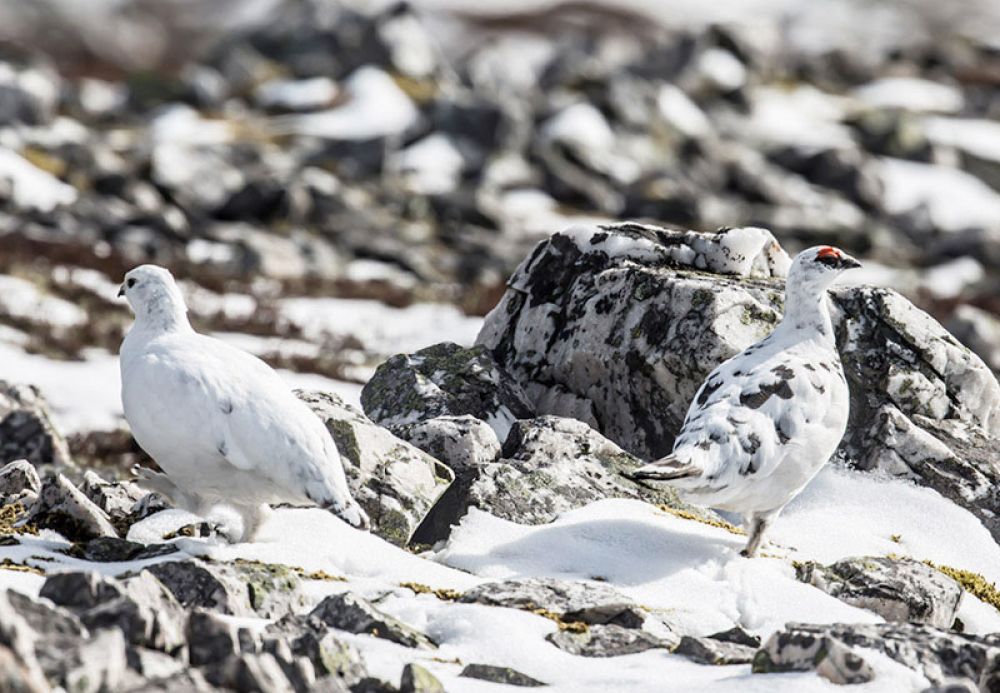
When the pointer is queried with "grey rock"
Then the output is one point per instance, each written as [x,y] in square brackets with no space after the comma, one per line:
[249,672]
[16,676]
[416,679]
[187,681]
[80,590]
[444,380]
[152,664]
[956,686]
[738,636]
[63,508]
[211,638]
[94,665]
[112,549]
[593,603]
[116,498]
[551,465]
[393,481]
[897,589]
[504,675]
[26,429]
[606,641]
[310,638]
[243,588]
[978,330]
[18,480]
[354,614]
[145,612]
[837,651]
[715,652]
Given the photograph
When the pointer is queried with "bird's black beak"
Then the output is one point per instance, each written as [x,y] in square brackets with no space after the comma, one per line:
[847,262]
[121,291]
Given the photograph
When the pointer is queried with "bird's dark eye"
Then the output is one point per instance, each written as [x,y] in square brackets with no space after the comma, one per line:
[130,283]
[830,260]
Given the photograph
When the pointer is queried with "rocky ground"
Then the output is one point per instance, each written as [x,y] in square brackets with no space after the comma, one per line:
[346,194]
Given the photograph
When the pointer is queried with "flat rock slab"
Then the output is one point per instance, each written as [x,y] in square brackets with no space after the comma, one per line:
[897,589]
[715,652]
[504,675]
[354,614]
[606,641]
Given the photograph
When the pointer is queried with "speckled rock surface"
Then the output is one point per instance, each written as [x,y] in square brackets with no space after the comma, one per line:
[26,429]
[837,651]
[393,481]
[897,589]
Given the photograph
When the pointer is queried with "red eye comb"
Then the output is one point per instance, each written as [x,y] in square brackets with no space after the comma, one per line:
[827,251]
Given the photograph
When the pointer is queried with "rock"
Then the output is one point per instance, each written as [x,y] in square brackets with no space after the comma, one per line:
[152,664]
[113,549]
[444,380]
[249,672]
[837,651]
[504,675]
[94,665]
[64,509]
[606,641]
[628,320]
[116,498]
[18,480]
[242,588]
[550,465]
[354,614]
[211,639]
[139,606]
[416,679]
[26,429]
[187,681]
[899,590]
[593,603]
[978,330]
[312,639]
[393,481]
[715,652]
[15,675]
[738,636]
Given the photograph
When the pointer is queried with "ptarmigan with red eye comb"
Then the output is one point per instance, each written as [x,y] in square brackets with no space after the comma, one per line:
[764,422]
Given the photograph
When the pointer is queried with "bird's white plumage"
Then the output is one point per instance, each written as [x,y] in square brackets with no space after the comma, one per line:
[221,423]
[764,422]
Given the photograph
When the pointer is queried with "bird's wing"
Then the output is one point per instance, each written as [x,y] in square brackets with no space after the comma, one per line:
[751,412]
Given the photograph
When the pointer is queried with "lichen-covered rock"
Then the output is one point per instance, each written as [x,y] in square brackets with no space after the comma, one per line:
[444,380]
[249,672]
[606,641]
[416,679]
[837,651]
[624,322]
[242,588]
[551,465]
[312,639]
[591,603]
[393,481]
[897,589]
[63,508]
[211,638]
[351,613]
[26,429]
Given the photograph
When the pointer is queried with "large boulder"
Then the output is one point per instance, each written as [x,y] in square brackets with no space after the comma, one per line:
[394,482]
[620,324]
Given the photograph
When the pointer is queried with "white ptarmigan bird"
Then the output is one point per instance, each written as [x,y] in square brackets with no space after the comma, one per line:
[764,422]
[220,422]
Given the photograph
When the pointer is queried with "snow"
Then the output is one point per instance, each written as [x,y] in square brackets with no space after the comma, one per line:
[950,279]
[24,300]
[380,328]
[911,94]
[976,136]
[580,125]
[430,166]
[296,95]
[802,116]
[29,186]
[689,573]
[375,107]
[954,200]
[722,69]
[181,125]
[682,113]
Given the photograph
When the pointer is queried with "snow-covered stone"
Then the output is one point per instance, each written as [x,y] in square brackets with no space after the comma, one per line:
[26,428]
[393,481]
[901,590]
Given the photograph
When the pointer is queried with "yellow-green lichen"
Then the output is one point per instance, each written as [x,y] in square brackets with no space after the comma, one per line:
[688,515]
[443,593]
[973,583]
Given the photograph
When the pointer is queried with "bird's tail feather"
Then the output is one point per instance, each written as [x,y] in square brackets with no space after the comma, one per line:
[666,469]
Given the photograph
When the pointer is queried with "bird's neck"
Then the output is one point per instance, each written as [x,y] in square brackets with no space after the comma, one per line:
[807,315]
[162,316]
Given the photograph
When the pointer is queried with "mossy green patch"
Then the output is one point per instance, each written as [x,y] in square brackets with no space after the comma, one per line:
[973,583]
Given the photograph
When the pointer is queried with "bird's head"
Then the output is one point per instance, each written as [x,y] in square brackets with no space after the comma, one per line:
[819,266]
[151,291]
